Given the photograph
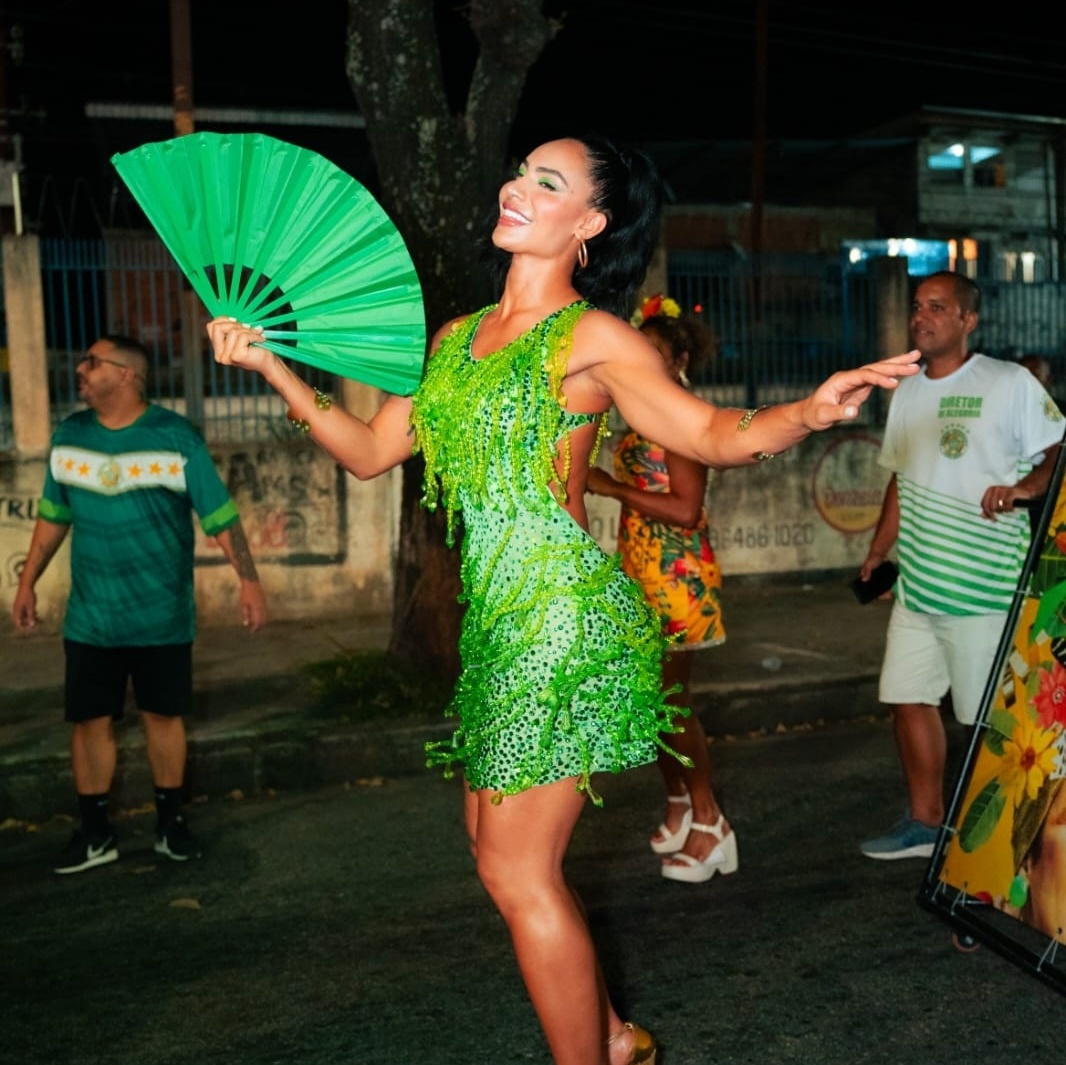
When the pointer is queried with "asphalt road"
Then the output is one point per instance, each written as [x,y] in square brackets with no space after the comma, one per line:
[346,925]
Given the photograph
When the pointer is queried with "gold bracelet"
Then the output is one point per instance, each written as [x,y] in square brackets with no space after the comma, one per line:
[302,425]
[746,417]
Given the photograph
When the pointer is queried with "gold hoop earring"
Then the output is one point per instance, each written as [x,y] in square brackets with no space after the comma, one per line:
[582,254]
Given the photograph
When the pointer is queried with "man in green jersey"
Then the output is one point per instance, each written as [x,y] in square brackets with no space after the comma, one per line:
[126,476]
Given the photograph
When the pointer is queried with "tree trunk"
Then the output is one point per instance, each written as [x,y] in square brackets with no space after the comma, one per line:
[438,172]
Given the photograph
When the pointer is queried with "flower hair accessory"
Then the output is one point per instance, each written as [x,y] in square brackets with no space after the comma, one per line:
[656,305]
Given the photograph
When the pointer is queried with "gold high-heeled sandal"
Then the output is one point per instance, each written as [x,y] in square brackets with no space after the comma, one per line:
[644,1048]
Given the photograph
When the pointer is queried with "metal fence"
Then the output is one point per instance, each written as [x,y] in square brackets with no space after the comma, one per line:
[1024,319]
[133,287]
[783,324]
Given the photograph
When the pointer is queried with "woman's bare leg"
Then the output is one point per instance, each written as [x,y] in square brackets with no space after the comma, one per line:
[519,845]
[677,669]
[672,771]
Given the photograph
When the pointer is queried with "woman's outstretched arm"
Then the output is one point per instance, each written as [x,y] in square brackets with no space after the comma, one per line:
[613,361]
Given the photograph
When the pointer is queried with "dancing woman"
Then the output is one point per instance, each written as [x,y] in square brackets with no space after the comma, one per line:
[560,653]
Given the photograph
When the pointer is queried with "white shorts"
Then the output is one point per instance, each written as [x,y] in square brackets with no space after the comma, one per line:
[928,654]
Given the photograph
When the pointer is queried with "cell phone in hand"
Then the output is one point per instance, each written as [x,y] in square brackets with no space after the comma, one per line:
[881,580]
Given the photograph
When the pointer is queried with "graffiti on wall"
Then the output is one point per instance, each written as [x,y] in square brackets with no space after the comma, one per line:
[291,501]
[17,512]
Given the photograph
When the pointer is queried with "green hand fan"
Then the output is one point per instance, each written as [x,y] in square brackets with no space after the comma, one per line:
[277,236]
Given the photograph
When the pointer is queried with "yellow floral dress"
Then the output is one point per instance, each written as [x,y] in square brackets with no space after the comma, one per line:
[675,566]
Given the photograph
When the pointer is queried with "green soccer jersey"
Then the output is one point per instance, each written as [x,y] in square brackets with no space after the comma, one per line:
[129,496]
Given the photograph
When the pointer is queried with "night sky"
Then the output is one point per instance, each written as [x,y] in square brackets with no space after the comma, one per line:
[641,71]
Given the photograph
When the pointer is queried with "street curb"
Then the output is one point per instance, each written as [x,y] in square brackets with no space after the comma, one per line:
[279,746]
[764,706]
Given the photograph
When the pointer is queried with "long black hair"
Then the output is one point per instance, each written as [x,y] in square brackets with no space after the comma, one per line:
[626,187]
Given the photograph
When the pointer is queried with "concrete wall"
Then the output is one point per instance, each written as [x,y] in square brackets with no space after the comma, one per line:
[325,542]
[812,508]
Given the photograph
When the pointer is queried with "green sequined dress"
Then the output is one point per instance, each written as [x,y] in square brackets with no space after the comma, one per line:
[560,653]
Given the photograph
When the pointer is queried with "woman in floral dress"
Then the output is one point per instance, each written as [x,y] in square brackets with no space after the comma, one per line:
[665,547]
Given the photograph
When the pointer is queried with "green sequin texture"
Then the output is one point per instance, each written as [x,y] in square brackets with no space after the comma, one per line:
[560,653]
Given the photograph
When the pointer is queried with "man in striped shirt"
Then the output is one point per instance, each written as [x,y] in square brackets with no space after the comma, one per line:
[966,439]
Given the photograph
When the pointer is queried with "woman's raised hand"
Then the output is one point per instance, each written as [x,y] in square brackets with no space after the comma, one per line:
[238,345]
[839,398]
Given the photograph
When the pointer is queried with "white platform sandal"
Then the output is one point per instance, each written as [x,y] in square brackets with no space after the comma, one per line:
[722,859]
[672,842]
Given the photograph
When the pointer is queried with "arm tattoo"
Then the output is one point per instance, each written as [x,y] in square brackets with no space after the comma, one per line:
[241,554]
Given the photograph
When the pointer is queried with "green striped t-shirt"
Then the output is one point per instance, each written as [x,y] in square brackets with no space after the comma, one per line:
[948,439]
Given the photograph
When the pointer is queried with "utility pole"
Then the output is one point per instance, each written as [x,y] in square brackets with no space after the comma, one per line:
[192,354]
[758,140]
[10,52]
[181,66]
[758,197]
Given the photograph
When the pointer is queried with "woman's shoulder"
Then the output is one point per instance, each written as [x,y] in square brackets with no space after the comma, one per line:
[593,317]
[455,323]
[448,327]
[602,334]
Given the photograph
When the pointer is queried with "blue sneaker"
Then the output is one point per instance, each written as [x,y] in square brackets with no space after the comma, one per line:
[907,838]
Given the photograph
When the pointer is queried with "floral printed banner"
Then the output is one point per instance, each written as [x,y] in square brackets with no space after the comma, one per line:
[1006,839]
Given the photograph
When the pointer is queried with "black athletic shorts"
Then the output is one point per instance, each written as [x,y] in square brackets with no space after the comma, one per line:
[97,679]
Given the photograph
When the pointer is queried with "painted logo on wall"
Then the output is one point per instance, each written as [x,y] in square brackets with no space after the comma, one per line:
[848,484]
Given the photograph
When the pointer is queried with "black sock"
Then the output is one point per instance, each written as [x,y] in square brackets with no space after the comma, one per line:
[93,812]
[167,806]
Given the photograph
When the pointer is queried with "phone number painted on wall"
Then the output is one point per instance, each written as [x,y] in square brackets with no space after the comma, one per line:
[754,537]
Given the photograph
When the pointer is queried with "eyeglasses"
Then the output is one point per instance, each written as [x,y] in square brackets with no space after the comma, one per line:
[95,360]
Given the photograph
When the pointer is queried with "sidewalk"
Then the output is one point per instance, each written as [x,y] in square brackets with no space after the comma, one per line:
[797,652]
